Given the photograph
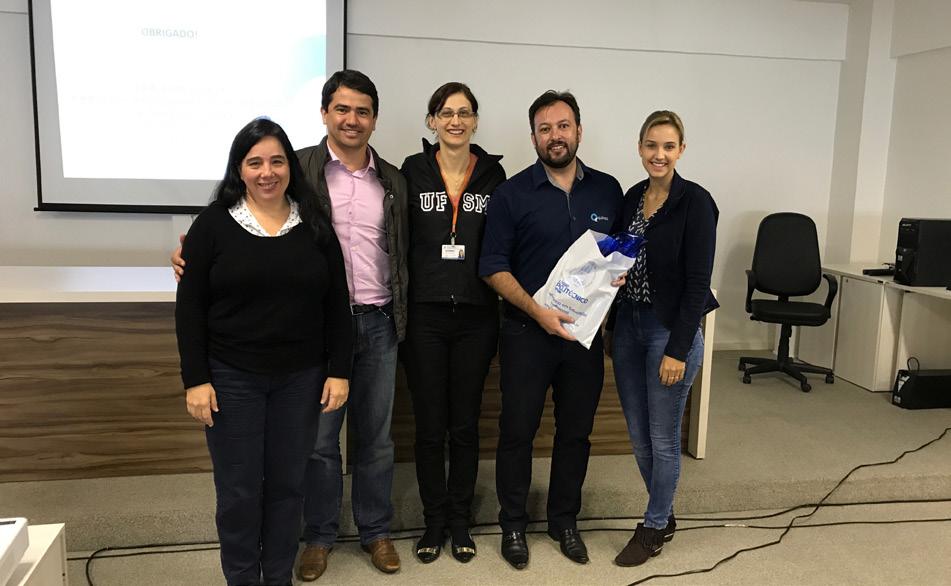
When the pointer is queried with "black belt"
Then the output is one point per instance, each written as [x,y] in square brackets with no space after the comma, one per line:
[365,309]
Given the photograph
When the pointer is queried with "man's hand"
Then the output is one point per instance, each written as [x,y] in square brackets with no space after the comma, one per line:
[551,319]
[201,401]
[671,371]
[620,281]
[178,263]
[336,391]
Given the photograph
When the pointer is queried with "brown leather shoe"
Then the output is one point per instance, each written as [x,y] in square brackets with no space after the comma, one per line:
[313,562]
[383,555]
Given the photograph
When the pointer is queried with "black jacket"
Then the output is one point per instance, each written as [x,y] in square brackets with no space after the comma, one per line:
[681,241]
[430,219]
[313,159]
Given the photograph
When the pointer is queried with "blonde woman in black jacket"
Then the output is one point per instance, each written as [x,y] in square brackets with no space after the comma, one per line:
[657,345]
[452,331]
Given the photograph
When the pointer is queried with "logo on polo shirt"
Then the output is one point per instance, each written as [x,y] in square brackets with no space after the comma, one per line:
[596,218]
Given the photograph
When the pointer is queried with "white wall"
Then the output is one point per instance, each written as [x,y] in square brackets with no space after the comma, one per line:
[875,136]
[848,131]
[919,174]
[758,103]
[921,25]
[863,123]
[757,84]
[919,156]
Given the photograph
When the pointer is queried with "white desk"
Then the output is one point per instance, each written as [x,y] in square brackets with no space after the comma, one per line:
[44,563]
[877,325]
[86,284]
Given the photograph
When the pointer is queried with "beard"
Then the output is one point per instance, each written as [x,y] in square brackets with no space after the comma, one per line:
[561,161]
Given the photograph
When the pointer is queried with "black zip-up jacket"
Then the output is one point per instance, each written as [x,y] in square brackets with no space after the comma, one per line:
[313,159]
[681,241]
[430,218]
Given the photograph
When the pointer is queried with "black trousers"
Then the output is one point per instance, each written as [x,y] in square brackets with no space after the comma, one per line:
[264,431]
[447,352]
[531,361]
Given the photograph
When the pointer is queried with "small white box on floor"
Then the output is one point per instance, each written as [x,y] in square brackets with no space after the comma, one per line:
[14,541]
[44,563]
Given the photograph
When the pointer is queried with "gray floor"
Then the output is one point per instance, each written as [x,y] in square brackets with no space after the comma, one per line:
[770,447]
[905,553]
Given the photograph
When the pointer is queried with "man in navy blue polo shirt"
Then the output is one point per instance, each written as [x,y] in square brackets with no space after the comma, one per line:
[532,220]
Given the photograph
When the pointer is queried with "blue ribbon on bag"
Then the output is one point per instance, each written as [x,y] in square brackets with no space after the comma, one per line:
[624,242]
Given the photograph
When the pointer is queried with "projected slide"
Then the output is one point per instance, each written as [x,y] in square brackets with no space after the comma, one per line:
[137,102]
[157,90]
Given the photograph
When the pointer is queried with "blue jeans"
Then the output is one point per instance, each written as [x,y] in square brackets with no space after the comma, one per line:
[653,411]
[372,383]
[263,433]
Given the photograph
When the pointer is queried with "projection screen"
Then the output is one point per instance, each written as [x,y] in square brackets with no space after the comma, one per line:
[136,103]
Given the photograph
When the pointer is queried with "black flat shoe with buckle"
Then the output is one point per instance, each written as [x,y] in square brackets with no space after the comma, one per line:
[463,548]
[429,545]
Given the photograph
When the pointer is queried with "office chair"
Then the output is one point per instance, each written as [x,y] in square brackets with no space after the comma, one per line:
[786,264]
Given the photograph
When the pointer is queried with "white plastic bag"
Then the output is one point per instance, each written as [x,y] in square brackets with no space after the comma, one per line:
[580,285]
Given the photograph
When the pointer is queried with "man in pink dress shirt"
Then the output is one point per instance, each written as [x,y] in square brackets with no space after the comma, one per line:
[367,197]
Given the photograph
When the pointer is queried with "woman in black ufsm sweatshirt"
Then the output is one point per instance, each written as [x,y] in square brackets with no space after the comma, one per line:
[452,333]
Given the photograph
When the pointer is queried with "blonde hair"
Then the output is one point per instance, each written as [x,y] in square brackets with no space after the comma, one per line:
[661,117]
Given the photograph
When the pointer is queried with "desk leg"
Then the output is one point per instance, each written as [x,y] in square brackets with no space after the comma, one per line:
[700,402]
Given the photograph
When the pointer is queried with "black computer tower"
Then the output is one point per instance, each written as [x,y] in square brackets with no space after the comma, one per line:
[923,255]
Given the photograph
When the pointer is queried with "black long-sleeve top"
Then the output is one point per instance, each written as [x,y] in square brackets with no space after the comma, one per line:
[264,305]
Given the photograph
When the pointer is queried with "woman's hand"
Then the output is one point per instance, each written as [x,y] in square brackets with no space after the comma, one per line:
[671,371]
[201,401]
[335,394]
[178,263]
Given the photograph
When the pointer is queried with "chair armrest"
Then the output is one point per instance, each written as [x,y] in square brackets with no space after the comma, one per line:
[833,289]
[750,286]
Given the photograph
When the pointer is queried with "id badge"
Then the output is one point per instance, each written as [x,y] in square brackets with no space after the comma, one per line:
[454,252]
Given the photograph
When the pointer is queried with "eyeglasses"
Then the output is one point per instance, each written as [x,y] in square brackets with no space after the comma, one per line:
[448,114]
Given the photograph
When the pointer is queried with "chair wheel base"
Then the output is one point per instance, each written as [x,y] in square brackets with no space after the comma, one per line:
[830,379]
[806,387]
[747,379]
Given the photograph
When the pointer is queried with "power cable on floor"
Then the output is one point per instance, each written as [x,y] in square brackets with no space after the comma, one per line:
[99,554]
[792,521]
[212,545]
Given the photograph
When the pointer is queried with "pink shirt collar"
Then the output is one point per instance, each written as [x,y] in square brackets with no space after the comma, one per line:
[371,162]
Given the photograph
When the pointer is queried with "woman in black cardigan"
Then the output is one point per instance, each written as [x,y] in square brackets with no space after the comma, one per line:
[657,345]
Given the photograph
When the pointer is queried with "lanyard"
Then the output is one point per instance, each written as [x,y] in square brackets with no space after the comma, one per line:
[455,197]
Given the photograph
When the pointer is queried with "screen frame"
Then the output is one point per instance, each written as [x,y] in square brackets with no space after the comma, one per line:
[336,12]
